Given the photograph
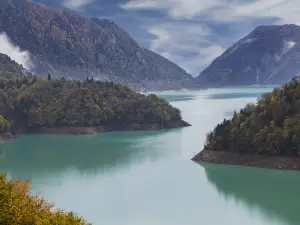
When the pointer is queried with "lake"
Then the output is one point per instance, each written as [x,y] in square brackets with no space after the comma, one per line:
[138,178]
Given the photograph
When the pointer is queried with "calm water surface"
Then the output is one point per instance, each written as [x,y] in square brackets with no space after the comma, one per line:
[135,178]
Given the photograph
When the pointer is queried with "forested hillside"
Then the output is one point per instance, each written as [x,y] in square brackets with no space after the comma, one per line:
[67,44]
[271,126]
[51,103]
[27,101]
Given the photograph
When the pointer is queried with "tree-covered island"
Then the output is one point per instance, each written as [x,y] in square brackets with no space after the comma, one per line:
[31,104]
[265,134]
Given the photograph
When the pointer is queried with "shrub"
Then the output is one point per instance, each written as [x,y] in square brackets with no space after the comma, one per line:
[18,207]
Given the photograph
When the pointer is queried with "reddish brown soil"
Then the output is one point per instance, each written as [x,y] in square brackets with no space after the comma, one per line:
[254,160]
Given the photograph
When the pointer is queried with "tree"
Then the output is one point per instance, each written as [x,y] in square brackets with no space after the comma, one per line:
[18,207]
[271,126]
[76,103]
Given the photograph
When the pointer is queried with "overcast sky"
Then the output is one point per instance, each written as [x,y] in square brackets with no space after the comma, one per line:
[190,33]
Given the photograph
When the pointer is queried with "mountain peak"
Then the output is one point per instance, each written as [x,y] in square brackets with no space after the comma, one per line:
[104,21]
[277,26]
[267,55]
[65,43]
[286,30]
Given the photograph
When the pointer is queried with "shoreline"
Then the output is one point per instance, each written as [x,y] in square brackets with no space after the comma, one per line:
[78,130]
[247,159]
[7,136]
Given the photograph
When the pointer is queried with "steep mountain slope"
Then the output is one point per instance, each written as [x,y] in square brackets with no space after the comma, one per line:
[9,67]
[65,43]
[268,55]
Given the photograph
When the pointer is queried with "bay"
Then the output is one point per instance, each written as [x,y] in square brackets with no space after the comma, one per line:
[147,177]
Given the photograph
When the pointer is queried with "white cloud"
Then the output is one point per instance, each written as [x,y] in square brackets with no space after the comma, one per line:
[287,10]
[169,35]
[137,4]
[76,4]
[193,47]
[176,8]
[14,52]
[189,49]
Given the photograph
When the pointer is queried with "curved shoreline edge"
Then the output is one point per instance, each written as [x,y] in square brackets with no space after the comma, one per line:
[7,136]
[100,129]
[251,160]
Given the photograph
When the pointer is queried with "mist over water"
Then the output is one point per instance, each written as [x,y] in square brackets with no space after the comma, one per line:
[133,178]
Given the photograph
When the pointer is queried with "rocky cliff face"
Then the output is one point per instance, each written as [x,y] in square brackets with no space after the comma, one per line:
[67,44]
[268,55]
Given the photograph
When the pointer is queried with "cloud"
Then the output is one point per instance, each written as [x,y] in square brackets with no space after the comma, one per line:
[190,49]
[14,52]
[137,4]
[228,10]
[194,47]
[76,4]
[175,8]
[285,10]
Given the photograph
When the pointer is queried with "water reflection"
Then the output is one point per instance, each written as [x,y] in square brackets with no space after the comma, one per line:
[35,155]
[233,95]
[178,97]
[274,192]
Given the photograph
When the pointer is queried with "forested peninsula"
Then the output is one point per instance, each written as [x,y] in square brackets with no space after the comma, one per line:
[29,104]
[264,134]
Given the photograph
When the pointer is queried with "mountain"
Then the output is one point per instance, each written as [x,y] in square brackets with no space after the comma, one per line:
[9,67]
[64,43]
[268,55]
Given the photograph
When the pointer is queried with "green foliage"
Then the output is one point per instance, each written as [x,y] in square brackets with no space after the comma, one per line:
[271,126]
[9,68]
[4,125]
[18,207]
[32,102]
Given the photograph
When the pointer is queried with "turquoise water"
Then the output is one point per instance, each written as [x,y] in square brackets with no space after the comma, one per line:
[134,178]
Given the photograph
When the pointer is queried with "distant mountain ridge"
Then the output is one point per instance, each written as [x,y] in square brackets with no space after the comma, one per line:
[65,43]
[268,55]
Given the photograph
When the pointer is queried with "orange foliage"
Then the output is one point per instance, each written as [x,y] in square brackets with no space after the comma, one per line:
[18,207]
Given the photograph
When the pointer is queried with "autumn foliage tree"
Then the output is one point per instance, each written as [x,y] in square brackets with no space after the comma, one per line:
[18,207]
